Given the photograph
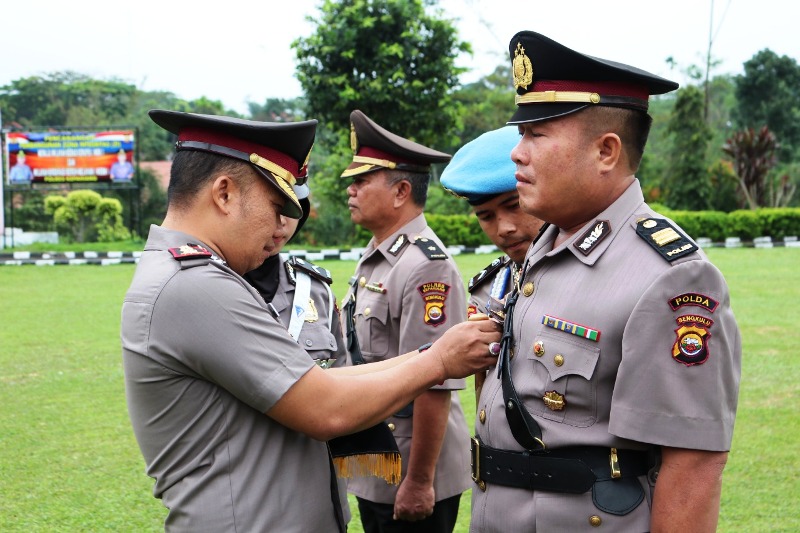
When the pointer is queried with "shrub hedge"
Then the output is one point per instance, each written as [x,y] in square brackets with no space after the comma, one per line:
[715,225]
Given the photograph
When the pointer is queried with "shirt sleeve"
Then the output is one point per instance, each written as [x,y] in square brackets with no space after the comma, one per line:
[207,324]
[433,301]
[678,380]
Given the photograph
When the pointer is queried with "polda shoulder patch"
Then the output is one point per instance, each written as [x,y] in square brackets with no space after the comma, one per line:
[665,238]
[487,273]
[296,263]
[430,248]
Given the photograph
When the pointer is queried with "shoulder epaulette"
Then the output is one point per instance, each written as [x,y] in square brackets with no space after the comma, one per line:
[309,268]
[665,238]
[430,248]
[189,251]
[487,272]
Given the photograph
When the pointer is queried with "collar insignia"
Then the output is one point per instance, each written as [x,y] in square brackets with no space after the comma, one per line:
[592,237]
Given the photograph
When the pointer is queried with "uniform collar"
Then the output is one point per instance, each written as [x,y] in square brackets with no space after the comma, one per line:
[411,230]
[596,236]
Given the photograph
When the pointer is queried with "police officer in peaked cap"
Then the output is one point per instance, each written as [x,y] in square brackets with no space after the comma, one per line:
[223,401]
[618,376]
[406,293]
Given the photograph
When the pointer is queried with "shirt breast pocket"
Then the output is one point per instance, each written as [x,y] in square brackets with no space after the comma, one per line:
[318,341]
[569,394]
[372,321]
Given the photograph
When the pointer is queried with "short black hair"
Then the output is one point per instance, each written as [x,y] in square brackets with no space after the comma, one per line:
[419,184]
[632,126]
[192,170]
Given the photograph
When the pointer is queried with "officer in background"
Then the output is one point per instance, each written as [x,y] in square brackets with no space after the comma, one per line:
[482,173]
[229,412]
[406,292]
[621,350]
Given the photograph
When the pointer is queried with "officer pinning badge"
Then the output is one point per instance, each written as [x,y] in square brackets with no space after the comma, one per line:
[571,327]
[665,238]
[554,401]
[587,242]
[189,251]
[691,344]
[434,294]
[398,245]
[693,298]
[430,248]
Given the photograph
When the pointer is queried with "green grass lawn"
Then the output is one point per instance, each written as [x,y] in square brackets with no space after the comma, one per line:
[69,462]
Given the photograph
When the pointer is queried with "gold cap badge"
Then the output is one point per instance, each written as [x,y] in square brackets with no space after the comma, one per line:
[523,70]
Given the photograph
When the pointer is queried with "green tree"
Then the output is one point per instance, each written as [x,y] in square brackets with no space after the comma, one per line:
[768,95]
[393,60]
[66,99]
[687,178]
[486,104]
[389,58]
[753,155]
[87,216]
[278,110]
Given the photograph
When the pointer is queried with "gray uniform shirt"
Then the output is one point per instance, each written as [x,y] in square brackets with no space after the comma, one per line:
[423,298]
[204,360]
[628,387]
[321,331]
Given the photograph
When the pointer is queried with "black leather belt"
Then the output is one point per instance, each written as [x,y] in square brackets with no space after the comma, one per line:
[572,470]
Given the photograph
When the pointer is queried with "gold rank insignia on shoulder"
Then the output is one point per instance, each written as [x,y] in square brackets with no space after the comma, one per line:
[189,251]
[430,248]
[523,70]
[665,238]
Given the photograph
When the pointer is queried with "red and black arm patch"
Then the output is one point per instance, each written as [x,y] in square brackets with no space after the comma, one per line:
[434,294]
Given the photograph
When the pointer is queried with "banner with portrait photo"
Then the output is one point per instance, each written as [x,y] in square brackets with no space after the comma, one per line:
[68,157]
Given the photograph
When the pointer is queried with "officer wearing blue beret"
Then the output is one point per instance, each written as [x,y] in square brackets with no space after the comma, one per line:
[482,173]
[619,367]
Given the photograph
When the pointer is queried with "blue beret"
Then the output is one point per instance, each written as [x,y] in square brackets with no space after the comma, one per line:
[482,168]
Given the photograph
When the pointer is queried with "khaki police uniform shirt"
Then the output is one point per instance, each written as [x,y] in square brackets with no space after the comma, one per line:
[423,298]
[321,332]
[203,361]
[627,389]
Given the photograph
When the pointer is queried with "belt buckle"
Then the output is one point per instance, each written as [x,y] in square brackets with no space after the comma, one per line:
[616,473]
[475,463]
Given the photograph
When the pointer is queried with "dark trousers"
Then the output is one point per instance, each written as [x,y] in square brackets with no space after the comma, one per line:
[377,518]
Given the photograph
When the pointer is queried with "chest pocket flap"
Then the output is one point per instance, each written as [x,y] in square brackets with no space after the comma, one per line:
[565,356]
[372,325]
